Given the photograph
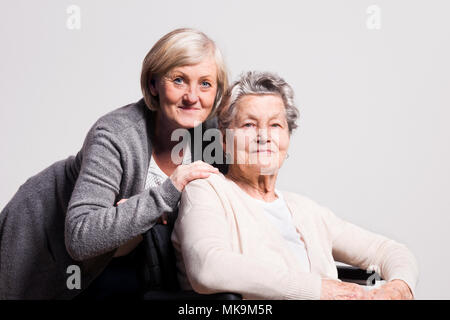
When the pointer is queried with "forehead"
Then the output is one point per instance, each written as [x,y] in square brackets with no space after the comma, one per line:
[207,67]
[261,105]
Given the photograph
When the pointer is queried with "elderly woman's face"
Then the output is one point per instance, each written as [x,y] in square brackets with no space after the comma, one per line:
[187,93]
[261,133]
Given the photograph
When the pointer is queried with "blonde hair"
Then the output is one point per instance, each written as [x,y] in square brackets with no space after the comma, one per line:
[181,47]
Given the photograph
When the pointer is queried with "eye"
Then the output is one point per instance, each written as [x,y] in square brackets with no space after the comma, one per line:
[178,80]
[276,125]
[248,125]
[206,84]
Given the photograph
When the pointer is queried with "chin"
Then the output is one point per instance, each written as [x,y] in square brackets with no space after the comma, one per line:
[267,169]
[190,122]
[263,167]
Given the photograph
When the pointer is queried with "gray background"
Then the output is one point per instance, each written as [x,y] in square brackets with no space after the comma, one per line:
[373,142]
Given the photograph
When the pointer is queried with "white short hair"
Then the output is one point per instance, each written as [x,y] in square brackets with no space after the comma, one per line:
[258,83]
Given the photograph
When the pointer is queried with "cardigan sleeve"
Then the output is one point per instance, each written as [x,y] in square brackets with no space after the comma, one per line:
[212,266]
[94,225]
[364,249]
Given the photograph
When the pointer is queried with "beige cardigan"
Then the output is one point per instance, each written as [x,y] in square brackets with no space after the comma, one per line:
[224,243]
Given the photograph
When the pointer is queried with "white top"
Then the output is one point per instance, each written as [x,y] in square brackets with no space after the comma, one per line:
[279,215]
[155,176]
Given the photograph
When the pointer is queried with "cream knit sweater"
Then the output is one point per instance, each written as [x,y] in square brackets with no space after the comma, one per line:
[224,243]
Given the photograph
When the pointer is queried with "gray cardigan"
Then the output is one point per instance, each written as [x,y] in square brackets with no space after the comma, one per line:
[66,214]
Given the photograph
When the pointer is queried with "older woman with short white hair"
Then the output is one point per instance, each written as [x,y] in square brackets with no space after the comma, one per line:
[238,233]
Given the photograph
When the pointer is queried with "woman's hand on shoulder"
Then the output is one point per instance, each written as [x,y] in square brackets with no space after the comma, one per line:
[185,173]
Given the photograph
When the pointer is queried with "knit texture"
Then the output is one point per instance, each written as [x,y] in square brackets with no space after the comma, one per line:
[224,243]
[66,214]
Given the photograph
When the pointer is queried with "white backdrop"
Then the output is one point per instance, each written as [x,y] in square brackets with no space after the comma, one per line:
[372,82]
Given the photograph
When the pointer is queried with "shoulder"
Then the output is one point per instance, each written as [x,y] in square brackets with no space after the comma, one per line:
[213,184]
[130,115]
[120,127]
[306,206]
[205,190]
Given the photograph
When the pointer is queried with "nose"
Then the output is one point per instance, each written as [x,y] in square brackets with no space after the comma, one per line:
[190,97]
[262,137]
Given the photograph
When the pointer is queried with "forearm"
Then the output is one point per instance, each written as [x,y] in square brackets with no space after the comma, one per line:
[364,249]
[92,229]
[217,270]
[213,266]
[397,262]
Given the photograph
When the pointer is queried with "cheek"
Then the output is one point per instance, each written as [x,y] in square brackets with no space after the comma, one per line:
[207,99]
[170,95]
[284,144]
[243,139]
[283,141]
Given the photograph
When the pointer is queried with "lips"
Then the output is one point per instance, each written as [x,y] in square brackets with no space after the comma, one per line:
[263,151]
[187,108]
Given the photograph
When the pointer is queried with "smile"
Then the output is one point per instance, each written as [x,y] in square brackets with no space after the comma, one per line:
[264,151]
[186,108]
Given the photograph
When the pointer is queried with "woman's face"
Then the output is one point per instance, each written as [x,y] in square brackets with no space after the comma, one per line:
[186,94]
[260,134]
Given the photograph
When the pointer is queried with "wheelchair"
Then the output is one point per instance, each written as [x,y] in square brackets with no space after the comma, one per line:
[158,270]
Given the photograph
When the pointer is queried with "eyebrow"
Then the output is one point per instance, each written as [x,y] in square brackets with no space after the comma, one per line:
[254,117]
[186,76]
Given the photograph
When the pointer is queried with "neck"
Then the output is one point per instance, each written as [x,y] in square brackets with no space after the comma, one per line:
[253,183]
[162,134]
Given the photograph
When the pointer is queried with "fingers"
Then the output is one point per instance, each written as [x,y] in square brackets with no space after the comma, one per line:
[198,175]
[337,290]
[184,174]
[202,165]
[121,201]
[402,289]
[377,294]
[384,294]
[354,291]
[164,218]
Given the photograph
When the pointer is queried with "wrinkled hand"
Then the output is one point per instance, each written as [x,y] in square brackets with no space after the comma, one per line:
[392,290]
[185,173]
[337,290]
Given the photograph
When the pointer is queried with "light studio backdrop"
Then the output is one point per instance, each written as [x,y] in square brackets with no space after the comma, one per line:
[371,78]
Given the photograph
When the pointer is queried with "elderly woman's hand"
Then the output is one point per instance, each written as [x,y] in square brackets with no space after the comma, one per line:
[392,290]
[337,290]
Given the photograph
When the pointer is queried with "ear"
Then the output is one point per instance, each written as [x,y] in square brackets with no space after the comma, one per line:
[152,86]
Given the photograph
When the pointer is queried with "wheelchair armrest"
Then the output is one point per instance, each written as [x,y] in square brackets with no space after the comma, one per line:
[188,295]
[358,276]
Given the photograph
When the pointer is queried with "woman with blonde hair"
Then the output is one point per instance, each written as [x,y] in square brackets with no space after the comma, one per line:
[88,211]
